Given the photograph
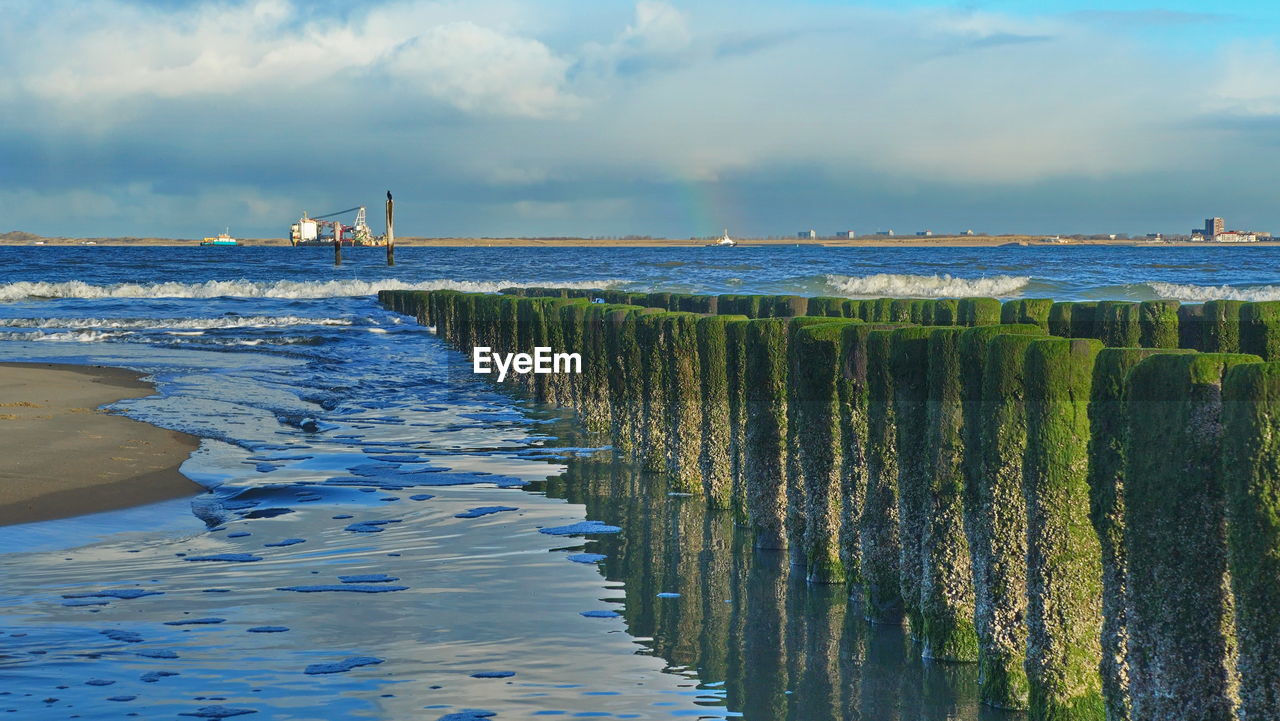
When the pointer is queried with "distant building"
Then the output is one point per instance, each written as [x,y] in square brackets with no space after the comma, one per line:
[967,232]
[1235,236]
[846,234]
[1213,226]
[807,234]
[888,232]
[924,233]
[1155,236]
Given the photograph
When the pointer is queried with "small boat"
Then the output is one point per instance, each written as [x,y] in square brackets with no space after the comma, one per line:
[724,242]
[222,239]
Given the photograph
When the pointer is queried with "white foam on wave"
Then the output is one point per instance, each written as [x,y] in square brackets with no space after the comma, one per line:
[900,285]
[76,336]
[1201,293]
[193,324]
[24,290]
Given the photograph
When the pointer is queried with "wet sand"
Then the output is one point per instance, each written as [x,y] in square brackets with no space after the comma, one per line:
[61,456]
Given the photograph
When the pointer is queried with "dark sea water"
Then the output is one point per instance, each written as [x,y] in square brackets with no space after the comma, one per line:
[340,450]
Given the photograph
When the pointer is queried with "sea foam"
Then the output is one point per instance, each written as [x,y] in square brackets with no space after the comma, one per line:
[899,285]
[23,290]
[1201,293]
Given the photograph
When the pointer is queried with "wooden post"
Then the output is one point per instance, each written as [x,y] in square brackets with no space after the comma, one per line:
[337,244]
[391,231]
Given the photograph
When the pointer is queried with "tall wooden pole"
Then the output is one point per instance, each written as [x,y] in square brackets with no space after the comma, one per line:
[337,244]
[391,231]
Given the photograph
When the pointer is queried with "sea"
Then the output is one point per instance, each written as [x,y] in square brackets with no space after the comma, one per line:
[384,536]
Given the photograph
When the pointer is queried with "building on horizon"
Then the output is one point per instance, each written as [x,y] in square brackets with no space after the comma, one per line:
[925,233]
[846,234]
[1215,230]
[888,232]
[807,234]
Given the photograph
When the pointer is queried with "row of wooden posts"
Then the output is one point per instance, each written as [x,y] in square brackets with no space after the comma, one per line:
[1083,498]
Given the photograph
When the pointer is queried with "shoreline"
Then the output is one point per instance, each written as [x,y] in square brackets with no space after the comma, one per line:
[865,242]
[65,457]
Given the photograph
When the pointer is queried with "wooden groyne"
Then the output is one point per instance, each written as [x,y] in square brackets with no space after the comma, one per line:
[1080,497]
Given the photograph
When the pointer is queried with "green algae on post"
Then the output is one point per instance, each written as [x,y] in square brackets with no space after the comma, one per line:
[1064,559]
[995,513]
[909,364]
[817,431]
[735,375]
[1222,326]
[653,353]
[764,474]
[853,390]
[683,407]
[1158,321]
[1026,310]
[1117,324]
[1250,463]
[1191,322]
[946,579]
[879,548]
[978,311]
[795,503]
[1107,432]
[826,306]
[1260,329]
[1181,640]
[714,457]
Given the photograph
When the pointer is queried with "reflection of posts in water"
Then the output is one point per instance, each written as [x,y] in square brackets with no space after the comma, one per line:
[766,430]
[946,578]
[817,683]
[715,587]
[879,548]
[1181,635]
[764,646]
[1064,558]
[909,364]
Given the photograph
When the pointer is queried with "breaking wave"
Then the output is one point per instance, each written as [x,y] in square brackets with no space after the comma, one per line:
[895,285]
[1200,293]
[189,324]
[24,290]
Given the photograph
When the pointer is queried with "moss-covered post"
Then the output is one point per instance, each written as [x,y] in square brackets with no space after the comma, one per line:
[900,311]
[1222,326]
[880,549]
[995,513]
[946,311]
[736,381]
[978,311]
[1260,329]
[1158,321]
[793,473]
[909,363]
[1026,310]
[684,407]
[826,306]
[853,391]
[1064,559]
[626,378]
[714,458]
[653,354]
[1251,474]
[946,575]
[1118,325]
[817,432]
[1181,640]
[1191,322]
[1108,428]
[766,431]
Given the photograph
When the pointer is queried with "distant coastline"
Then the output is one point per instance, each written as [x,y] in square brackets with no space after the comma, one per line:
[19,238]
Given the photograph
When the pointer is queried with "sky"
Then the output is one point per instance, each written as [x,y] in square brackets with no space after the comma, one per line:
[169,118]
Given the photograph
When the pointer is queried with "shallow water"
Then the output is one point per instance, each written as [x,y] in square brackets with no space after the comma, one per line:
[326,416]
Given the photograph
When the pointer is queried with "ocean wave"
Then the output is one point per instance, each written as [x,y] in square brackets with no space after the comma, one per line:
[896,285]
[76,336]
[222,322]
[24,290]
[1201,293]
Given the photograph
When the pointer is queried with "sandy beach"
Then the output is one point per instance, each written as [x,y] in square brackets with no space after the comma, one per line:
[64,457]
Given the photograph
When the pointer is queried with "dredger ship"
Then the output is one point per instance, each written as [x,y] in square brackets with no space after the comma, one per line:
[328,228]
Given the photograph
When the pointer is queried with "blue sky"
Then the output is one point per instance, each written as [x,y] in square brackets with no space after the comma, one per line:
[658,117]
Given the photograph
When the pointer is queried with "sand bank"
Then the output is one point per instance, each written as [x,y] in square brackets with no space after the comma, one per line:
[61,456]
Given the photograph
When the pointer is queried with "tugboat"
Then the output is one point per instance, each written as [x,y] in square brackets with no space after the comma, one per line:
[223,238]
[724,242]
